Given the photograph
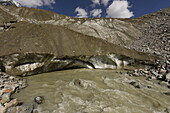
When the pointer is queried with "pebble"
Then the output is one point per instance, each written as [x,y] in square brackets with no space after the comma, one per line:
[11,78]
[146,72]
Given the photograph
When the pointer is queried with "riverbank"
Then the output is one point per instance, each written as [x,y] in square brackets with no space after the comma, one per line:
[8,86]
[12,84]
[29,64]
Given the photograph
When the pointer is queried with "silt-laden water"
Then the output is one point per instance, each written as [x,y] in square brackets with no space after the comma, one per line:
[95,91]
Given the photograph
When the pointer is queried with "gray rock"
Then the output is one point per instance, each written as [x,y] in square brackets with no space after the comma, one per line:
[162,71]
[163,83]
[149,78]
[2,108]
[21,109]
[136,84]
[78,82]
[155,73]
[166,93]
[39,99]
[146,72]
[167,77]
[5,98]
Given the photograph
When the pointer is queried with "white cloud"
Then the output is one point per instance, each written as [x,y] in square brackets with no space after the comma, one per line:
[96,2]
[36,3]
[105,2]
[81,13]
[119,9]
[96,12]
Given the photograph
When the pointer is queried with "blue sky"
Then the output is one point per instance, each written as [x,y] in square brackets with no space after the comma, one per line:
[99,8]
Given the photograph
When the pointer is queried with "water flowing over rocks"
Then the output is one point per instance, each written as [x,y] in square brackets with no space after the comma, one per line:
[21,109]
[95,91]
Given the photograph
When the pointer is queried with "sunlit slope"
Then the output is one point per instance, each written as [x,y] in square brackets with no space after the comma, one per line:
[41,31]
[111,30]
[4,16]
[60,41]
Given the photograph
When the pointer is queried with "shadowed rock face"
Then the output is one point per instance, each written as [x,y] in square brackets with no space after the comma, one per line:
[68,42]
[24,64]
[2,68]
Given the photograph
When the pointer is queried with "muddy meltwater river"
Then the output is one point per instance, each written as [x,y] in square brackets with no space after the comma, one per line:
[95,91]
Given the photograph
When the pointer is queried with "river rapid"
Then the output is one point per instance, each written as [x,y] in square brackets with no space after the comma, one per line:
[95,91]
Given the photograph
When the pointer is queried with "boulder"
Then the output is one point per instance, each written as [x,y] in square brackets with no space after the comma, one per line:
[167,77]
[5,98]
[39,99]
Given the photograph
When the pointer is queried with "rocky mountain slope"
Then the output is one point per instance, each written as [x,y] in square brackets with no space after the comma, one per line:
[155,29]
[50,25]
[36,31]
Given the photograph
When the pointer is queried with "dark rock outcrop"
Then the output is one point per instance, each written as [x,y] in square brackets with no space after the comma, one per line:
[33,63]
